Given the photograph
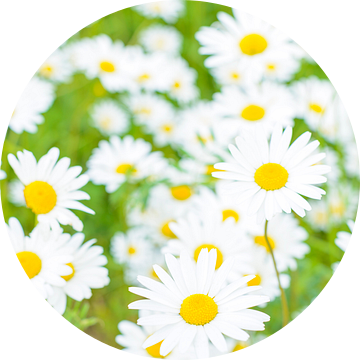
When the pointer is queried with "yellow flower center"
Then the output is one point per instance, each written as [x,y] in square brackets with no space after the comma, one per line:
[321,217]
[181,192]
[154,351]
[256,281]
[70,276]
[131,250]
[338,209]
[46,70]
[198,309]
[316,108]
[105,123]
[144,77]
[260,240]
[166,231]
[143,111]
[239,346]
[235,76]
[167,128]
[40,197]
[271,176]
[253,44]
[271,67]
[30,262]
[125,169]
[219,258]
[107,66]
[177,85]
[230,213]
[253,113]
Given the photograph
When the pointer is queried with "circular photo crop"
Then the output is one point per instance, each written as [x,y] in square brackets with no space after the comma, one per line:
[179,179]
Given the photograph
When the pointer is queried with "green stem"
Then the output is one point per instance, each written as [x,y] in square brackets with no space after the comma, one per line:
[285,309]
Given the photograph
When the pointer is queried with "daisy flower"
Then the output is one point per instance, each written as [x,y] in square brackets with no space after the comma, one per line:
[16,192]
[56,68]
[351,156]
[343,237]
[272,176]
[36,99]
[161,38]
[40,256]
[118,160]
[109,118]
[194,305]
[87,272]
[194,233]
[267,104]
[133,336]
[51,187]
[109,61]
[169,11]
[241,38]
[287,240]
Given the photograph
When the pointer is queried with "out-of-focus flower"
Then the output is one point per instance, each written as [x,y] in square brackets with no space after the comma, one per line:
[343,237]
[109,118]
[36,99]
[161,38]
[118,160]
[169,11]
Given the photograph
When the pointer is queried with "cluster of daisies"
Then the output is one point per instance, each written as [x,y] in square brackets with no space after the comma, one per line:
[214,172]
[58,264]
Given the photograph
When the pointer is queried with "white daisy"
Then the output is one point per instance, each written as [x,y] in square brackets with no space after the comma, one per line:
[118,160]
[242,37]
[16,192]
[351,161]
[36,99]
[149,108]
[40,256]
[319,216]
[87,272]
[169,11]
[343,237]
[133,336]
[149,72]
[194,233]
[161,38]
[182,82]
[267,104]
[132,247]
[56,68]
[51,187]
[195,307]
[109,118]
[265,276]
[272,175]
[109,61]
[286,238]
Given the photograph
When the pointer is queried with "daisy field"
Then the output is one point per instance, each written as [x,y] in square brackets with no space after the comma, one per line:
[179,179]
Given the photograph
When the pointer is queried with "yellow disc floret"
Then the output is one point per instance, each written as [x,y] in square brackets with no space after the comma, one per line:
[131,250]
[40,197]
[30,262]
[166,231]
[198,309]
[253,113]
[260,240]
[70,276]
[271,176]
[107,66]
[125,168]
[154,351]
[230,213]
[181,192]
[239,346]
[253,44]
[316,108]
[256,281]
[219,258]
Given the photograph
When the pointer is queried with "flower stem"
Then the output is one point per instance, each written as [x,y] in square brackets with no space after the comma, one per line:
[285,309]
